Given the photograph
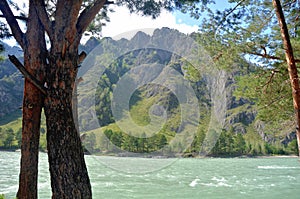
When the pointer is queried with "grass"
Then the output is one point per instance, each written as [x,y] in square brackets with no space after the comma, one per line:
[14,121]
[15,125]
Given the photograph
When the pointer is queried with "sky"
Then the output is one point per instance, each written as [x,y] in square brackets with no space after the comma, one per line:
[122,21]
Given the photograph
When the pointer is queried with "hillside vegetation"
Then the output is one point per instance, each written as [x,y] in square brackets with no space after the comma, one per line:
[152,122]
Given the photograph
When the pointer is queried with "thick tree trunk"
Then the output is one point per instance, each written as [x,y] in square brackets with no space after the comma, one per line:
[30,142]
[292,68]
[32,106]
[69,176]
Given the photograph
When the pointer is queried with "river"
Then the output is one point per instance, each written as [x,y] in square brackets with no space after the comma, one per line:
[172,178]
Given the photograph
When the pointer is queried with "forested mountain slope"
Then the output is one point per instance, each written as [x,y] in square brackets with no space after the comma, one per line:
[156,99]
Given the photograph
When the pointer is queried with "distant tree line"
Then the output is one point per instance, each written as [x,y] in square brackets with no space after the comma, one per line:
[117,141]
[227,144]
[11,140]
[237,144]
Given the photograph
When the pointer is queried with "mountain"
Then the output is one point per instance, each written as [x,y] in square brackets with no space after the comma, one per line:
[113,59]
[10,50]
[115,70]
[158,92]
[11,85]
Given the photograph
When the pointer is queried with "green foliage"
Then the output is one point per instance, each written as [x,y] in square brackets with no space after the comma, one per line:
[90,142]
[270,90]
[11,135]
[43,140]
[143,99]
[10,139]
[292,147]
[250,28]
[237,144]
[273,149]
[254,143]
[115,141]
[112,75]
[234,141]
[146,8]
[229,144]
[154,8]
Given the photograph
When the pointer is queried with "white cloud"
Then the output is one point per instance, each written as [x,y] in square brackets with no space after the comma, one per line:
[122,21]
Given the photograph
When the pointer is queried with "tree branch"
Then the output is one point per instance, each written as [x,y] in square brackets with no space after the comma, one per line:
[88,14]
[67,13]
[274,101]
[40,9]
[17,17]
[12,22]
[26,74]
[232,10]
[229,13]
[267,84]
[269,56]
[66,16]
[82,56]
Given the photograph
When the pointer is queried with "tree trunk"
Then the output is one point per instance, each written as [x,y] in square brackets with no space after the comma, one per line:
[32,105]
[69,176]
[30,142]
[292,68]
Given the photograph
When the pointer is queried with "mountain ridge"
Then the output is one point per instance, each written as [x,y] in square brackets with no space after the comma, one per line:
[122,56]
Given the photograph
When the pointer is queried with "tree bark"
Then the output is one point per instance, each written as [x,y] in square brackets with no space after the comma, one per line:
[34,53]
[292,68]
[69,176]
[30,142]
[68,172]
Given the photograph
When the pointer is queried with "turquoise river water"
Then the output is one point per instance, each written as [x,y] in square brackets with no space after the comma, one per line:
[116,178]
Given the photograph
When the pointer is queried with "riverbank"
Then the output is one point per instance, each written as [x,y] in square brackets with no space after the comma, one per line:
[164,156]
[161,156]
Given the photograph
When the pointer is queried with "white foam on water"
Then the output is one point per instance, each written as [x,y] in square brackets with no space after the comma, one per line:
[219,184]
[171,176]
[194,182]
[109,184]
[44,184]
[223,184]
[277,167]
[291,177]
[219,179]
[94,184]
[12,188]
